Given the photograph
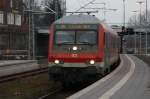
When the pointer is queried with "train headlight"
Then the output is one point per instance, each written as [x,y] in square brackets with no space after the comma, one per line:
[56,61]
[92,62]
[75,48]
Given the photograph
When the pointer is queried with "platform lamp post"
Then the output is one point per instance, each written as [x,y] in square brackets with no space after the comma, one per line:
[123,29]
[135,32]
[124,13]
[135,12]
[146,13]
[30,29]
[146,25]
[140,3]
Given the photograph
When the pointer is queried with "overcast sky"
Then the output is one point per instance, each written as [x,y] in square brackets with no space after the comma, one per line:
[111,16]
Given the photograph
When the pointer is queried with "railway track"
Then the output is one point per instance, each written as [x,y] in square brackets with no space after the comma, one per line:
[51,93]
[23,74]
[63,93]
[55,93]
[58,94]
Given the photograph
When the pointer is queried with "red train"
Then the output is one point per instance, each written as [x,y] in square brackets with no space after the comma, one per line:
[81,47]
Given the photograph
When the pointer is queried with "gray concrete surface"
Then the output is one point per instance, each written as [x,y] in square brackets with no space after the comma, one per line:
[136,87]
[12,62]
[17,66]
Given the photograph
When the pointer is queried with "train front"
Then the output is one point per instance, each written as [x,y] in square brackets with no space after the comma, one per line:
[74,51]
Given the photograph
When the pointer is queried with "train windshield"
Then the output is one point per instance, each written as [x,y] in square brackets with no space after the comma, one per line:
[86,37]
[65,37]
[76,37]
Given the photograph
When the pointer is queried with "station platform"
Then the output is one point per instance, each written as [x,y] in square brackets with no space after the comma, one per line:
[11,67]
[12,62]
[131,80]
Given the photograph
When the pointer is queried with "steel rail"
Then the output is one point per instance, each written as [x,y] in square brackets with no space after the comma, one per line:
[51,93]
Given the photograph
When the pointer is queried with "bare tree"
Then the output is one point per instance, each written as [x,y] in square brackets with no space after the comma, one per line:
[47,19]
[139,21]
[132,21]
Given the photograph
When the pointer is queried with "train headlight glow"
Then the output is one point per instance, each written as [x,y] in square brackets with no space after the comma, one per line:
[75,48]
[56,61]
[92,62]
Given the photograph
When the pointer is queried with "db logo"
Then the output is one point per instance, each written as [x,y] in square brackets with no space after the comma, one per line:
[74,55]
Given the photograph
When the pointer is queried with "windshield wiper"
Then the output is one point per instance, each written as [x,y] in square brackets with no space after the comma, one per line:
[85,42]
[63,43]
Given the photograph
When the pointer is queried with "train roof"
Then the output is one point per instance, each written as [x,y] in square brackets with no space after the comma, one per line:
[83,19]
[78,19]
[109,29]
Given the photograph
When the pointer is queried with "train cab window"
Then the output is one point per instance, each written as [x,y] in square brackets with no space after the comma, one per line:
[65,37]
[86,37]
[76,37]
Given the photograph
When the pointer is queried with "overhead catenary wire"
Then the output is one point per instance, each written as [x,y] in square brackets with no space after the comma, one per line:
[79,2]
[85,5]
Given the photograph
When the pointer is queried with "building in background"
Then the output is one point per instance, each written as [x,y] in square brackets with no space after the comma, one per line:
[13,30]
[23,33]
